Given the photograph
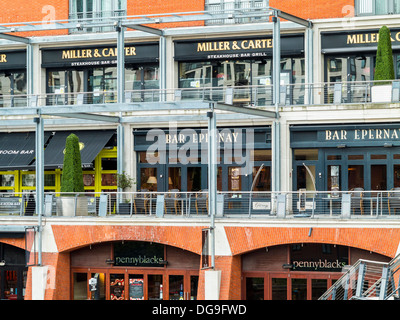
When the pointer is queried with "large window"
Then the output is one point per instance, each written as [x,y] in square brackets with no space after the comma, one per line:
[377,7]
[95,9]
[219,6]
[12,88]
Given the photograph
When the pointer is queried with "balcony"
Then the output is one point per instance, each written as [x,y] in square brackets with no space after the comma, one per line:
[251,96]
[321,205]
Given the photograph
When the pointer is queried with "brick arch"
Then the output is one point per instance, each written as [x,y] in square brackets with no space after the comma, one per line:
[16,242]
[69,238]
[384,241]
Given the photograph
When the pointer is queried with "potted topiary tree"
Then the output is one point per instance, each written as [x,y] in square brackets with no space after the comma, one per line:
[70,202]
[124,181]
[381,91]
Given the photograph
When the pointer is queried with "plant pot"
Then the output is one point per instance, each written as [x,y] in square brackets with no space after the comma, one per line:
[72,206]
[124,208]
[382,93]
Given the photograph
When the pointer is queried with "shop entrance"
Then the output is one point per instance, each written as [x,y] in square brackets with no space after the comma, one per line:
[134,270]
[287,286]
[135,284]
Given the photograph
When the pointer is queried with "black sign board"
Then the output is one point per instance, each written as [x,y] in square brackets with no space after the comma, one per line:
[355,39]
[12,60]
[139,254]
[98,55]
[236,48]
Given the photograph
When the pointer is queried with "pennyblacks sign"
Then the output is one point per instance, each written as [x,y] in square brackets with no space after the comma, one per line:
[139,254]
[320,265]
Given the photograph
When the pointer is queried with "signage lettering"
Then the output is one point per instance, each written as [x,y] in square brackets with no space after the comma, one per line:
[3,58]
[94,53]
[318,265]
[362,134]
[362,38]
[140,260]
[234,45]
[15,152]
[201,137]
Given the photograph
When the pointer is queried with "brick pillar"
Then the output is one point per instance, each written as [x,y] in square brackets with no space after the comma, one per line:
[231,271]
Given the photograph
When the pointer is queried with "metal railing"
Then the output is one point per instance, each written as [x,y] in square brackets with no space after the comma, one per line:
[365,280]
[240,204]
[252,96]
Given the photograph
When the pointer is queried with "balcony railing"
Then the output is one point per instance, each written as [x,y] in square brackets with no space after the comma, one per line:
[252,96]
[244,205]
[95,17]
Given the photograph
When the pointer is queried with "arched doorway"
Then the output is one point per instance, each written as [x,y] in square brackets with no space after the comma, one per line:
[300,271]
[134,270]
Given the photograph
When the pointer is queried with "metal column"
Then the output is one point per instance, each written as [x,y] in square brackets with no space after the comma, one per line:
[276,154]
[39,149]
[212,177]
[29,70]
[309,63]
[163,67]
[120,64]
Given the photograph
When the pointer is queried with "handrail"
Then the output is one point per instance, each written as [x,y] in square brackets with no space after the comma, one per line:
[322,93]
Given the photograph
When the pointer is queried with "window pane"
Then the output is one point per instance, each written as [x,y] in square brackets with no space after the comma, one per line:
[304,179]
[176,287]
[100,292]
[396,175]
[7,180]
[306,154]
[80,286]
[49,180]
[381,7]
[378,177]
[254,288]
[299,289]
[319,286]
[279,288]
[396,6]
[356,176]
[155,283]
[263,182]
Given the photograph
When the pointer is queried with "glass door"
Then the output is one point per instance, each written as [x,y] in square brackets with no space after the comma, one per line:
[299,289]
[255,288]
[176,287]
[155,287]
[182,286]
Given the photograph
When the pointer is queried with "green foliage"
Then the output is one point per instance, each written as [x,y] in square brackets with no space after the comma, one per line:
[72,175]
[124,180]
[384,69]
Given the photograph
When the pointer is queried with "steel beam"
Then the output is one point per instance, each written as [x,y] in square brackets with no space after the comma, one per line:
[246,110]
[290,17]
[13,38]
[88,116]
[155,31]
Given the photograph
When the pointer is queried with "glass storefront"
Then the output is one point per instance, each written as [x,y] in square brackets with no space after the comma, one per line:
[162,170]
[297,271]
[98,175]
[92,71]
[239,63]
[346,157]
[138,271]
